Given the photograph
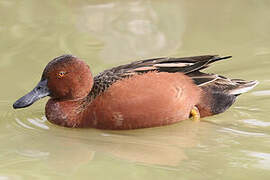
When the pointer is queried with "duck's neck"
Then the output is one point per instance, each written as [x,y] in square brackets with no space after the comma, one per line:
[67,113]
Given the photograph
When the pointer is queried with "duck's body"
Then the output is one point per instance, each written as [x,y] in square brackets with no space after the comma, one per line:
[141,94]
[147,100]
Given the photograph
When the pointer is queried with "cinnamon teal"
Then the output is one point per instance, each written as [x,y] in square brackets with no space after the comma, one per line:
[146,93]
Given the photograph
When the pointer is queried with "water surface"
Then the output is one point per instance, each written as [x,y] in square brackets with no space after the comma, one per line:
[232,145]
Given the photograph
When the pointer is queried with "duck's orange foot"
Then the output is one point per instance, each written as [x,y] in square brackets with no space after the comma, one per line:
[195,114]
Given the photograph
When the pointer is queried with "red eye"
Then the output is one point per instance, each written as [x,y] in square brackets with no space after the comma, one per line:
[61,74]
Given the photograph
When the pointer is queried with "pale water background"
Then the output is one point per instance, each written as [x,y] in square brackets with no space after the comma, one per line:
[232,145]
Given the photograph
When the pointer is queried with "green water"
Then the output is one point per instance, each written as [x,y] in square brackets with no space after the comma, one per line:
[232,145]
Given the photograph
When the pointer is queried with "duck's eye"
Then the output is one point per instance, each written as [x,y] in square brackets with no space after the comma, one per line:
[61,74]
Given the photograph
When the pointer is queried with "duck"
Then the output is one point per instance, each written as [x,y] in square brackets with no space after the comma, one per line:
[142,94]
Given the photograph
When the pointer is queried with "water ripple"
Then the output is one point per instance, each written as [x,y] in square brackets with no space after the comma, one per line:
[39,122]
[245,133]
[255,122]
[261,93]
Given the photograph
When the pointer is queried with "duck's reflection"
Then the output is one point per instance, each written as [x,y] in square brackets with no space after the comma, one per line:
[65,149]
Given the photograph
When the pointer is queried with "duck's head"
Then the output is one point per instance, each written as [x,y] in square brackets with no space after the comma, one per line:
[64,78]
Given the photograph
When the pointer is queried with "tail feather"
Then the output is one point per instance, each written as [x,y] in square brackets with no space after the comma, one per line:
[242,86]
[221,93]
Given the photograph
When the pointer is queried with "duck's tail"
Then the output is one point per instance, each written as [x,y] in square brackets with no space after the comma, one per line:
[221,93]
[242,86]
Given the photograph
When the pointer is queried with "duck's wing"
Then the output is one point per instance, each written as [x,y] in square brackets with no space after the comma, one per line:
[187,65]
[184,65]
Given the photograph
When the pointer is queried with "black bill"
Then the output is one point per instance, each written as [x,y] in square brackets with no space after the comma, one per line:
[40,91]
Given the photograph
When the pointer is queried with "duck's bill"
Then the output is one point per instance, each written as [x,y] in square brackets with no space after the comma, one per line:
[40,91]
